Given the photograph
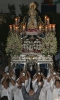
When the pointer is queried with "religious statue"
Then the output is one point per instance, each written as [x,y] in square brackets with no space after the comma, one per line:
[32,22]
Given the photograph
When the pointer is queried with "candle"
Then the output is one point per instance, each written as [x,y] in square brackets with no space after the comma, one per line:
[40,27]
[53,27]
[16,28]
[23,27]
[10,27]
[50,27]
[16,21]
[47,21]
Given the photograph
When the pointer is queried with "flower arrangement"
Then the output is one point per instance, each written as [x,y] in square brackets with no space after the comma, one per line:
[49,44]
[14,45]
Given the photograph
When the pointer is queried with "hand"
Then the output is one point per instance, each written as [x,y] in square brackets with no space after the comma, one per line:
[39,78]
[22,74]
[7,77]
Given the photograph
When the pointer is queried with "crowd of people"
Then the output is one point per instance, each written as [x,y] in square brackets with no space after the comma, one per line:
[24,87]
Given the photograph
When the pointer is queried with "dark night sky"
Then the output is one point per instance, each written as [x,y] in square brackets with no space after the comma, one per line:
[4,4]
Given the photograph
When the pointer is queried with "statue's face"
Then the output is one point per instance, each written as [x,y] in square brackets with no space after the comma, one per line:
[32,6]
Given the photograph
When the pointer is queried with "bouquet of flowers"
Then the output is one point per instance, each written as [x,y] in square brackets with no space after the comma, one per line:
[14,45]
[49,44]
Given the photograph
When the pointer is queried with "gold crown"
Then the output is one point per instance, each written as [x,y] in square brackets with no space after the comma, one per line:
[33,5]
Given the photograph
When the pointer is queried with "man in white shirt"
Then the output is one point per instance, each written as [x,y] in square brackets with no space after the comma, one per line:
[24,79]
[32,95]
[17,90]
[56,90]
[6,90]
[46,93]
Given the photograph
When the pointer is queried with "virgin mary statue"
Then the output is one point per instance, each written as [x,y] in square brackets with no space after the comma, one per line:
[32,22]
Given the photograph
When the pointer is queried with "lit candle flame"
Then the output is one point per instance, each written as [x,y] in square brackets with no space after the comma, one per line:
[10,27]
[47,20]
[53,27]
[23,27]
[40,27]
[16,28]
[16,21]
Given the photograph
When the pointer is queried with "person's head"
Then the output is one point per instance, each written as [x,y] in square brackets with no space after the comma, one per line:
[57,83]
[31,92]
[4,98]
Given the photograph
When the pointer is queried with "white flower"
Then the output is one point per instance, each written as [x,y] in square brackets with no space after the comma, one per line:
[14,44]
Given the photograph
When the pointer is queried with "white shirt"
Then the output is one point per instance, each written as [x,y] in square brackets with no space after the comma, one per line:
[46,93]
[7,92]
[18,94]
[42,95]
[56,93]
[35,85]
[27,84]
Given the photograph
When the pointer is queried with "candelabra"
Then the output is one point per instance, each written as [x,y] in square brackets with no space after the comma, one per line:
[48,26]
[17,27]
[21,28]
